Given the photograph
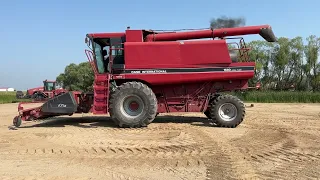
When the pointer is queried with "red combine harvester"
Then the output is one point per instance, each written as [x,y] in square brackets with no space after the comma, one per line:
[141,73]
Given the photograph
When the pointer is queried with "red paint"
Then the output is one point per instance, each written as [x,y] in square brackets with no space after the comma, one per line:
[223,32]
[187,73]
[34,90]
[161,79]
[106,35]
[134,36]
[46,92]
[182,90]
[101,94]
[175,54]
[191,97]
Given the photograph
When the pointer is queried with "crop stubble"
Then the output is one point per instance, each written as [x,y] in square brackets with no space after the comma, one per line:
[279,141]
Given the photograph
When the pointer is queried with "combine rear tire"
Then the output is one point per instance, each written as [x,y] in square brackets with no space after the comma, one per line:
[133,104]
[207,112]
[227,111]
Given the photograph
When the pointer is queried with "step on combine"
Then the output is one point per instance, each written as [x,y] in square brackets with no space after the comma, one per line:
[141,73]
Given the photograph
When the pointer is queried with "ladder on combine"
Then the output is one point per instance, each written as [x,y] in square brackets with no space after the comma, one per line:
[101,86]
[101,93]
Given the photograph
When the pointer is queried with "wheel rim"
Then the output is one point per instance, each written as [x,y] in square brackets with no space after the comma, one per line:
[228,112]
[132,106]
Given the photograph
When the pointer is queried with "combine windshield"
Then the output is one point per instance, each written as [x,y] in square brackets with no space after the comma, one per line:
[97,49]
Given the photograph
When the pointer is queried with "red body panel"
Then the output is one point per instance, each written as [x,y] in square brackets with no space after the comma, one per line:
[107,35]
[134,36]
[163,56]
[175,54]
[160,79]
[191,97]
[33,90]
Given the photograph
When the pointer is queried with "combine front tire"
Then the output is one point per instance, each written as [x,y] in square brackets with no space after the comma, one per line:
[227,111]
[133,104]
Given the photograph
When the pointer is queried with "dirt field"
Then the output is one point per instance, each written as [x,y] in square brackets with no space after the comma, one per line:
[278,141]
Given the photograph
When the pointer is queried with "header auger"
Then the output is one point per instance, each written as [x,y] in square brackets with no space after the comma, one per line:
[141,73]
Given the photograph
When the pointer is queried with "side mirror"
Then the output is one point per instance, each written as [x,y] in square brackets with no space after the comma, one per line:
[87,41]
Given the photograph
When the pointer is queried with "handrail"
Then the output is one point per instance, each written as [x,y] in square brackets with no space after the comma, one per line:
[242,49]
[91,61]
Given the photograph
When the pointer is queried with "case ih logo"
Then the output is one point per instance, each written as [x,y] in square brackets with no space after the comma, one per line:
[148,71]
[229,69]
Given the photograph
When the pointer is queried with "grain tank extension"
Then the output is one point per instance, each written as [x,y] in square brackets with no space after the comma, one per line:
[141,73]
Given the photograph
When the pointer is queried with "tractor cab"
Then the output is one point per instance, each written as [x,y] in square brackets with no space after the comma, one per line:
[107,51]
[49,85]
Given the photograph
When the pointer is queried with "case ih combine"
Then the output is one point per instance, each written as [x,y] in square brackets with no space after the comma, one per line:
[146,73]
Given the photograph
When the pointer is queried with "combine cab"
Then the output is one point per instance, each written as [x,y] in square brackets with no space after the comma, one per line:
[141,73]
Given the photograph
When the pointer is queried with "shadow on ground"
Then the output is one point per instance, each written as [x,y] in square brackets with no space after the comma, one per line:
[96,121]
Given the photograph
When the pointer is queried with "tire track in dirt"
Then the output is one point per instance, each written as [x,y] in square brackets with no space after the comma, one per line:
[180,151]
[193,151]
[229,163]
[35,167]
[117,144]
[165,145]
[166,168]
[297,113]
[293,123]
[173,151]
[275,154]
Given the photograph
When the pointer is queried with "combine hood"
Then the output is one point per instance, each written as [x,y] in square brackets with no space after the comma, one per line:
[63,105]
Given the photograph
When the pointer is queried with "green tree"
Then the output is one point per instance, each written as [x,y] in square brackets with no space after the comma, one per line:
[260,53]
[280,61]
[77,77]
[312,65]
[296,72]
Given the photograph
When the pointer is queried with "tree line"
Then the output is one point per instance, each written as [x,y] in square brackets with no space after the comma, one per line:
[287,64]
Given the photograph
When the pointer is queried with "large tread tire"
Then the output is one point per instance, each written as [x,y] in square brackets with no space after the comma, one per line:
[207,112]
[148,101]
[236,105]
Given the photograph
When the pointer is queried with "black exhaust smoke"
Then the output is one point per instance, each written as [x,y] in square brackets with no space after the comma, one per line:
[226,22]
